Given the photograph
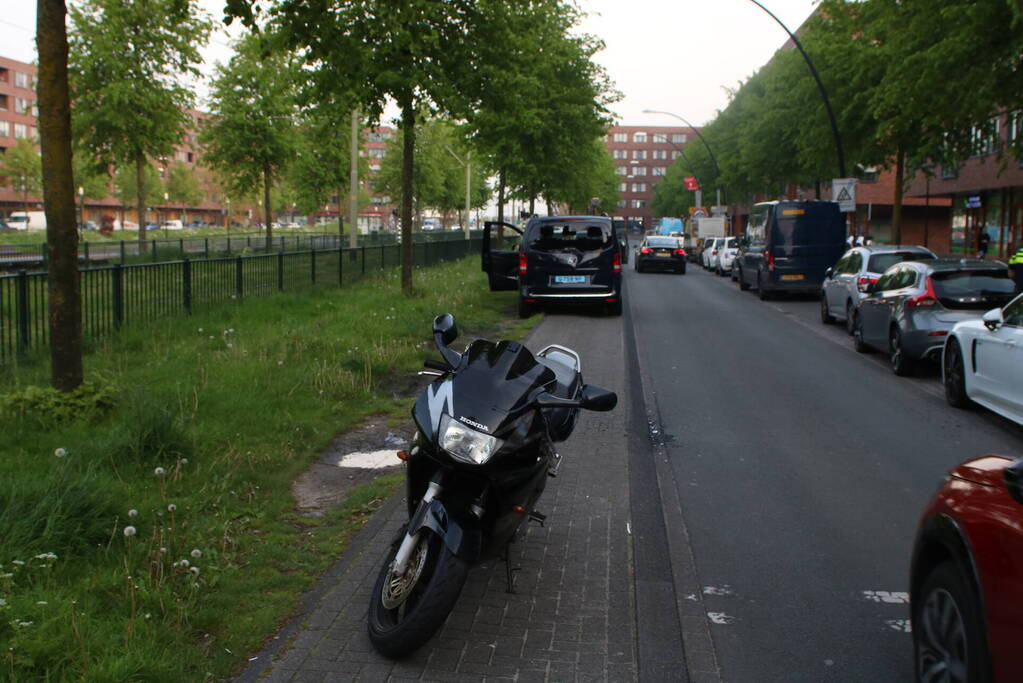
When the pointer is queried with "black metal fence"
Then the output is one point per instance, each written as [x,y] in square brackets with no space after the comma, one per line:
[162,249]
[122,294]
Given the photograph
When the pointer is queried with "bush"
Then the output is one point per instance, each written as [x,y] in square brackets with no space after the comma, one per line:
[47,406]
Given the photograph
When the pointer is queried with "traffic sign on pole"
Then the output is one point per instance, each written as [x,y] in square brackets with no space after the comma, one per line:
[843,191]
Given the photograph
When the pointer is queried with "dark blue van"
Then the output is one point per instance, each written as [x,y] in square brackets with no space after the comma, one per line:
[788,245]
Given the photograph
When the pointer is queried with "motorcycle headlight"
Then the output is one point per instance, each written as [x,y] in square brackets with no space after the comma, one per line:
[466,444]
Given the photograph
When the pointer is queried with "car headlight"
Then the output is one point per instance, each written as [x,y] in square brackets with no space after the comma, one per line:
[466,444]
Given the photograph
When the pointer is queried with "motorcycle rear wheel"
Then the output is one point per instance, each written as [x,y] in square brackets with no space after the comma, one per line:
[436,582]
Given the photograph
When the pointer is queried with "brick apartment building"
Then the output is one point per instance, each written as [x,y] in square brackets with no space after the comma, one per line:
[642,156]
[18,114]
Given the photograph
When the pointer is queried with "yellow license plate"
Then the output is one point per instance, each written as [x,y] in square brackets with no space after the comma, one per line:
[792,277]
[662,255]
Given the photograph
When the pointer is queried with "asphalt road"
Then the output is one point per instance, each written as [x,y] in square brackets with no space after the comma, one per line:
[802,468]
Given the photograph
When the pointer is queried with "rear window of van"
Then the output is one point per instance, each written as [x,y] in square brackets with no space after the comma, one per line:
[569,236]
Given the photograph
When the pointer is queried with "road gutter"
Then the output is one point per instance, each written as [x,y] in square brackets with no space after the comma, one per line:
[672,629]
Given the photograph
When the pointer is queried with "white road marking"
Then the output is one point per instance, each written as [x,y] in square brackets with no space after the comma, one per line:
[892,597]
[692,596]
[720,618]
[900,625]
[717,590]
[628,528]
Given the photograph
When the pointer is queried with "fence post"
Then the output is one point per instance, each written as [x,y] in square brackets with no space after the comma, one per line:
[186,285]
[118,295]
[282,242]
[248,241]
[152,243]
[312,265]
[238,284]
[122,252]
[381,256]
[85,245]
[364,259]
[280,271]
[22,308]
[340,265]
[206,247]
[228,245]
[46,256]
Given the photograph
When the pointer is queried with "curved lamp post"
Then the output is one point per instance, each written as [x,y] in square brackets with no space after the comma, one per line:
[820,86]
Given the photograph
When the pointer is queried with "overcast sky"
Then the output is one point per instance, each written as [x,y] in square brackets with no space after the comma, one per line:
[673,55]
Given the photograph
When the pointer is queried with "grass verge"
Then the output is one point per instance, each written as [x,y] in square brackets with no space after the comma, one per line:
[147,525]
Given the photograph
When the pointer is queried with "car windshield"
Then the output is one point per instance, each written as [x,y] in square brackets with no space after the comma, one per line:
[973,288]
[662,242]
[879,263]
[569,236]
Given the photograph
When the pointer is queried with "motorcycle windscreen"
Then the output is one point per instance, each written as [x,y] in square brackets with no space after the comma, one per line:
[492,386]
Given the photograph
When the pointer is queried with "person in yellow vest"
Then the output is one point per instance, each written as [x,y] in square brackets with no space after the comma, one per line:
[1016,266]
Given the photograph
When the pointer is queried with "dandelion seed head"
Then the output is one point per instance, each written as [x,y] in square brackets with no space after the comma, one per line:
[182,563]
[133,513]
[172,507]
[159,471]
[194,570]
[129,531]
[60,452]
[20,563]
[196,553]
[42,602]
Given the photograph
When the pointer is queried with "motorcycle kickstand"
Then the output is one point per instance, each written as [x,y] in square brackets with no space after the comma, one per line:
[509,571]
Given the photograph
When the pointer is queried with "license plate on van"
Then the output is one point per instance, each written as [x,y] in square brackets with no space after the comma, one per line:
[798,276]
[569,279]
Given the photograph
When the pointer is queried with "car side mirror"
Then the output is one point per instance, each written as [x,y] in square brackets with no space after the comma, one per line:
[993,319]
[444,325]
[829,272]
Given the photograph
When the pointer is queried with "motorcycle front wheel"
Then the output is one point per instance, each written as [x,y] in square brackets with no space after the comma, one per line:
[405,611]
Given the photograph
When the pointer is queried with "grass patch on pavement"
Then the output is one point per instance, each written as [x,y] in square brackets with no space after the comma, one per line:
[147,524]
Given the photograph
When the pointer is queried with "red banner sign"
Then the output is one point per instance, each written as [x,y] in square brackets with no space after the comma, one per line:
[691,183]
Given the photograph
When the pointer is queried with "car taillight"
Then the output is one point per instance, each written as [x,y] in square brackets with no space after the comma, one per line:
[863,282]
[770,260]
[617,263]
[680,252]
[928,298]
[523,267]
[646,250]
[714,253]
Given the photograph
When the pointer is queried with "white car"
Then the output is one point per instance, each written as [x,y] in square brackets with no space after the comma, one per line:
[982,362]
[726,255]
[709,255]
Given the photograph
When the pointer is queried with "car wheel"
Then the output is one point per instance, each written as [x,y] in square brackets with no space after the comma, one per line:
[682,270]
[850,315]
[615,309]
[954,376]
[858,342]
[525,310]
[743,285]
[639,268]
[761,292]
[902,364]
[826,316]
[949,643]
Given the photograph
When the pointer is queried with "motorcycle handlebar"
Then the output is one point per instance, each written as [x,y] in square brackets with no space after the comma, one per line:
[436,364]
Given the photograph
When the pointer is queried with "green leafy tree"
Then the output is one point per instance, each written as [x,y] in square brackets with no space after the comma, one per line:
[92,178]
[128,59]
[251,136]
[593,177]
[22,166]
[183,185]
[126,187]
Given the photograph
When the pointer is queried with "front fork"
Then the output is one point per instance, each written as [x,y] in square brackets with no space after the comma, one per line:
[408,543]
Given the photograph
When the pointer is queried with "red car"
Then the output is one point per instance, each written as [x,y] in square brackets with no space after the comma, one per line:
[966,583]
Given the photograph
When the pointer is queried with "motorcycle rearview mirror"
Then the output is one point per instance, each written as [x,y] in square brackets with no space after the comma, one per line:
[590,398]
[444,325]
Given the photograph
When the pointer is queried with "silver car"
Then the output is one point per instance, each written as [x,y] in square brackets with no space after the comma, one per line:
[726,255]
[910,310]
[846,282]
[709,255]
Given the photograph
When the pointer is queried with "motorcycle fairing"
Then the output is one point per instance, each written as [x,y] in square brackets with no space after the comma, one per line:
[462,536]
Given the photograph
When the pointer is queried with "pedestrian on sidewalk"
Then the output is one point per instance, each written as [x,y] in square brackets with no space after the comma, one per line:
[983,239]
[1016,266]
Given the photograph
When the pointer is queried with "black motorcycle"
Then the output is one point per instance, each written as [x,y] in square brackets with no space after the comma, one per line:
[480,458]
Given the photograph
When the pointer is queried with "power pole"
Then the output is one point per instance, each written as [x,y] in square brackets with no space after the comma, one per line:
[353,182]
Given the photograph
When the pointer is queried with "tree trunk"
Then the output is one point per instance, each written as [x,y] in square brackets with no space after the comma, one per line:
[64,289]
[900,171]
[408,131]
[532,204]
[499,244]
[140,194]
[267,209]
[817,190]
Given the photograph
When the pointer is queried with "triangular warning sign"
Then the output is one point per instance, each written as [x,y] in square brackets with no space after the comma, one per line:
[843,194]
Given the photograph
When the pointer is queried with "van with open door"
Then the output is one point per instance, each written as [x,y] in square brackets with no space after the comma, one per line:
[564,260]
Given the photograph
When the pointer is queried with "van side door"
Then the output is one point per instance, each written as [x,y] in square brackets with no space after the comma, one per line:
[501,266]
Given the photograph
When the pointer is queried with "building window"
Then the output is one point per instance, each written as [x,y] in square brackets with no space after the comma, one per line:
[678,138]
[5,130]
[639,187]
[639,154]
[639,138]
[21,80]
[191,158]
[621,203]
[20,130]
[623,187]
[20,105]
[621,137]
[639,170]
[637,203]
[949,172]
[658,170]
[620,153]
[675,154]
[378,136]
[660,154]
[3,102]
[621,170]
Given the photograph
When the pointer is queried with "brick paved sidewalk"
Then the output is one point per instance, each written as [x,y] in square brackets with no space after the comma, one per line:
[572,617]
